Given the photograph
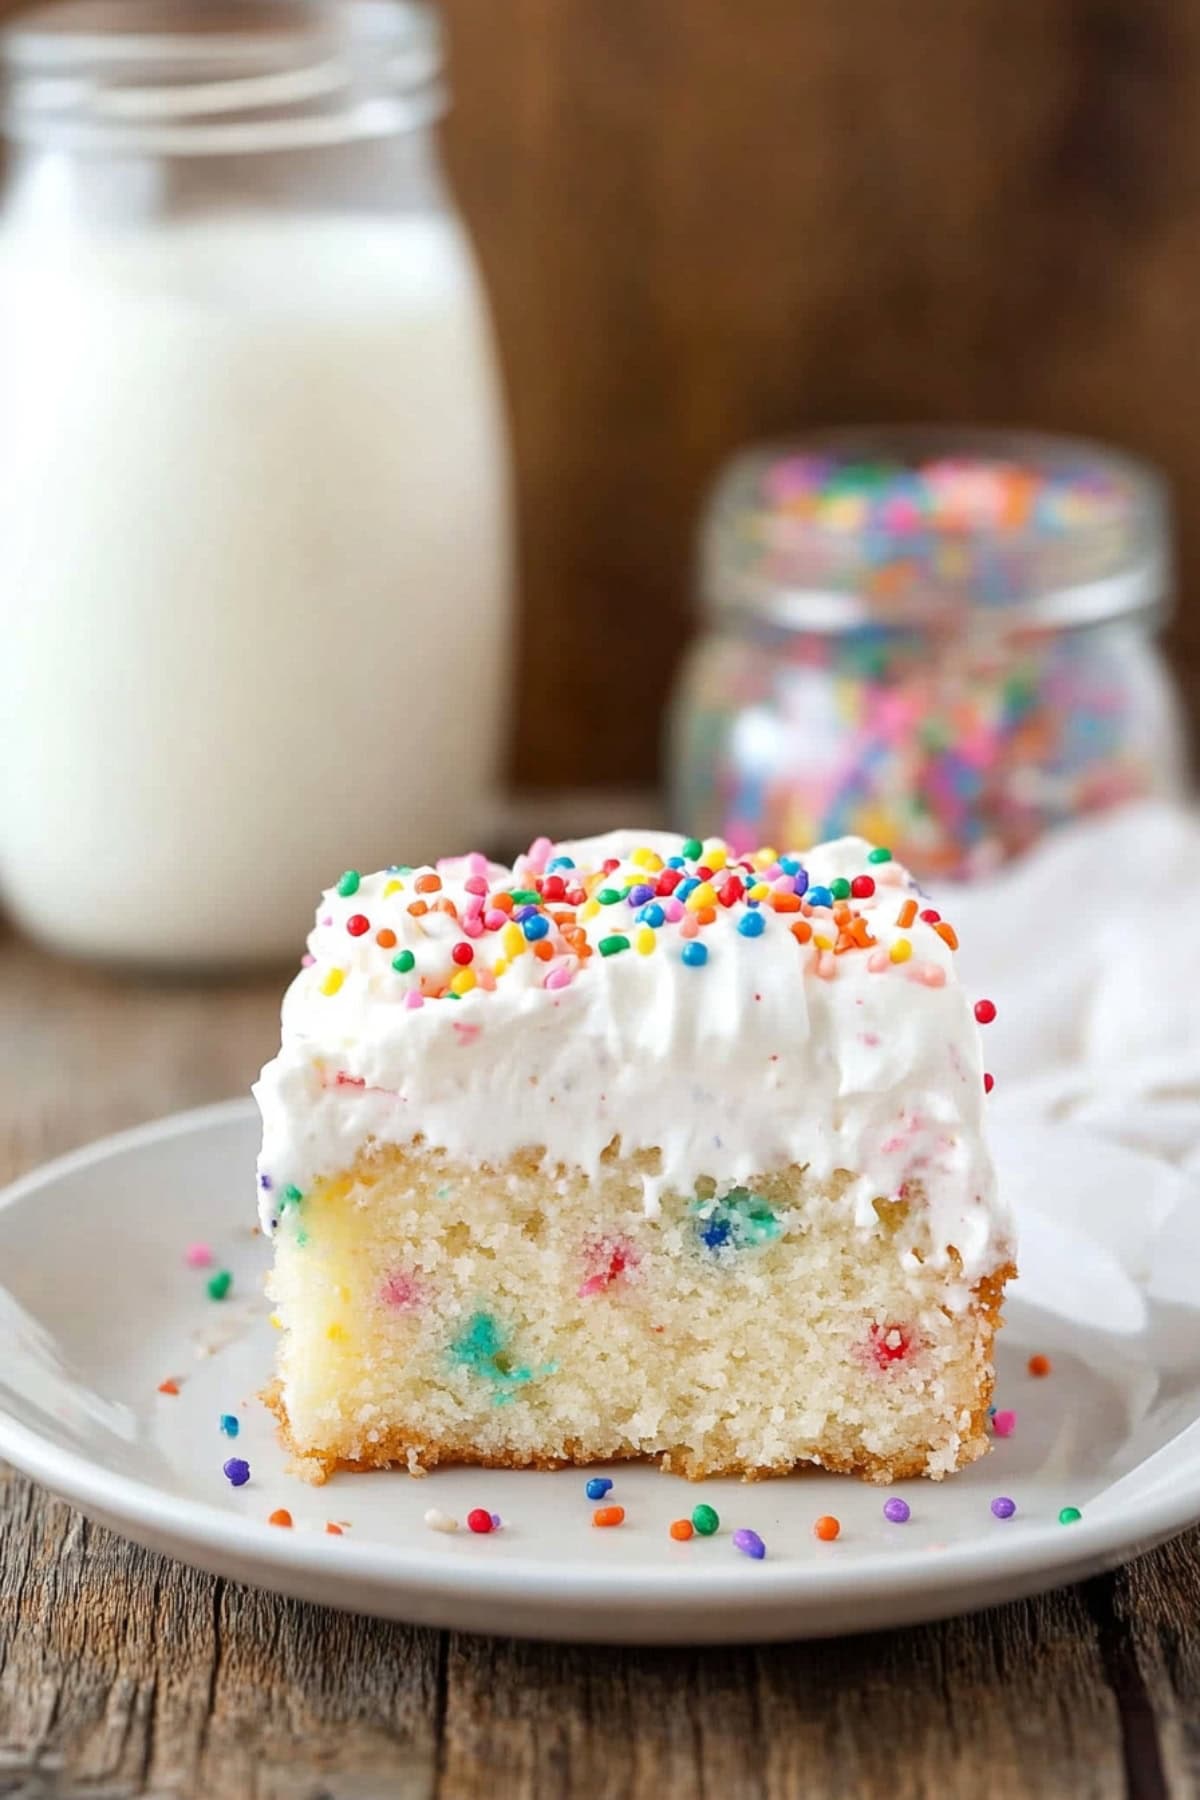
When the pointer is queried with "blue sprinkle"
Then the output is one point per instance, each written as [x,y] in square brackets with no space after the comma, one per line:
[597,1487]
[560,862]
[675,862]
[236,1472]
[820,896]
[695,955]
[535,928]
[651,915]
[752,924]
[638,896]
[230,1425]
[790,865]
[686,887]
[715,1233]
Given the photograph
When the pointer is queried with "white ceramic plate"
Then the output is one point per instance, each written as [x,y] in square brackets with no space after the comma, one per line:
[97,1308]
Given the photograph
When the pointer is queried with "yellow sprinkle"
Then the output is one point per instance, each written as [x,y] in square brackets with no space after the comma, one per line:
[589,909]
[336,1333]
[822,943]
[392,887]
[500,966]
[900,951]
[762,859]
[715,856]
[643,940]
[759,891]
[333,981]
[645,858]
[463,982]
[704,895]
[276,1321]
[512,938]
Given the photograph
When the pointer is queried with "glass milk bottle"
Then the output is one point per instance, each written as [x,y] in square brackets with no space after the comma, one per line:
[254,522]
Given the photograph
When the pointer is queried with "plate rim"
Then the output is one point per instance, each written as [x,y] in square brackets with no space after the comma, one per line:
[788,1584]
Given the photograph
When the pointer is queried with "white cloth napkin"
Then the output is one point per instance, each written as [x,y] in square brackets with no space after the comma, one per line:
[1090,948]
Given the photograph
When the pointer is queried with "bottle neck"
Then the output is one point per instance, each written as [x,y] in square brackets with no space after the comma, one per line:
[256,77]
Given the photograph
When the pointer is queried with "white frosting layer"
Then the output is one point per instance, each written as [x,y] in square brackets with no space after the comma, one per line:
[769,1052]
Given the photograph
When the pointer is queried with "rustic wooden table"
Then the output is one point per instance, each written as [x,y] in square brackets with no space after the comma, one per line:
[122,1674]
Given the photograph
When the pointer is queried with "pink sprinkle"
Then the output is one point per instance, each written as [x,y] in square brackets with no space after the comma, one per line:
[328,919]
[472,925]
[773,874]
[928,974]
[412,1000]
[558,978]
[689,925]
[401,1290]
[1004,1423]
[307,960]
[466,1034]
[476,884]
[198,1256]
[486,980]
[672,909]
[877,962]
[539,854]
[495,920]
[477,862]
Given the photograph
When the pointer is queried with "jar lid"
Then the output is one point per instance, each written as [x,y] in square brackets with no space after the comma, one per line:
[936,527]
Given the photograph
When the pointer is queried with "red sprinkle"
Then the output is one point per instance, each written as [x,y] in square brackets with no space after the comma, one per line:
[479,1521]
[357,924]
[668,881]
[610,863]
[930,917]
[554,888]
[985,1011]
[989,1082]
[862,887]
[731,891]
[463,953]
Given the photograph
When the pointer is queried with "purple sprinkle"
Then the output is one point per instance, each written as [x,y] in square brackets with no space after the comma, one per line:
[496,1521]
[1003,1507]
[638,896]
[265,1182]
[750,1544]
[522,913]
[897,1511]
[236,1472]
[800,881]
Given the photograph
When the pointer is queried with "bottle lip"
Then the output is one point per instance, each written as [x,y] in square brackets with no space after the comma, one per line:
[936,528]
[166,77]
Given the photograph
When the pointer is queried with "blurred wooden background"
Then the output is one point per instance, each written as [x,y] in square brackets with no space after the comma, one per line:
[703,221]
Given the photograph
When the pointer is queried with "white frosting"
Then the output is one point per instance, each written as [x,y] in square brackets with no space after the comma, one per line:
[770,1052]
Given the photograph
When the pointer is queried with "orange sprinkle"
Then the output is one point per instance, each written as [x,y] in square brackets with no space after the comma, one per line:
[168,1387]
[544,950]
[947,933]
[386,939]
[418,908]
[428,884]
[1040,1365]
[802,931]
[563,919]
[333,1530]
[906,915]
[827,1528]
[609,1515]
[681,1530]
[841,912]
[281,1516]
[706,914]
[446,906]
[785,903]
[860,931]
[504,902]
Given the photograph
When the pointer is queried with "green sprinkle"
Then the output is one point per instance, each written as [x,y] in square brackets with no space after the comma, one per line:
[840,889]
[705,1520]
[1070,1515]
[301,1239]
[349,883]
[292,1194]
[879,854]
[609,896]
[219,1284]
[612,946]
[692,849]
[525,897]
[404,962]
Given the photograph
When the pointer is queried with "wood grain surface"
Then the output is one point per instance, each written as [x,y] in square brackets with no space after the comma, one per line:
[124,1675]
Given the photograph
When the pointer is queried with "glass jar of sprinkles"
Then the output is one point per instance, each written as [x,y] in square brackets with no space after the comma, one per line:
[939,640]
